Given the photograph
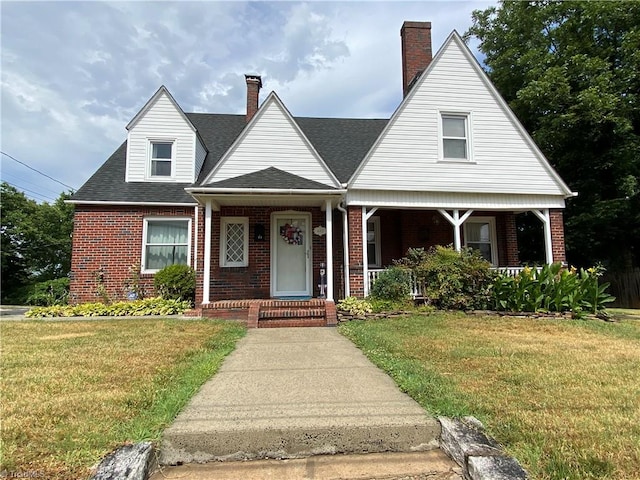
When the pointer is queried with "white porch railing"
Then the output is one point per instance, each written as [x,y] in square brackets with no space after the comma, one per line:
[416,290]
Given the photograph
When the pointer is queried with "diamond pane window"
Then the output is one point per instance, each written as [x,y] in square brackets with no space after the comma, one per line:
[234,241]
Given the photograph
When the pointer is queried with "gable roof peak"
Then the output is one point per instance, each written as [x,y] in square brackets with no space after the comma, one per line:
[147,106]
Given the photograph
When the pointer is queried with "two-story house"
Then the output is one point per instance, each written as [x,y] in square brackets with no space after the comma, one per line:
[259,204]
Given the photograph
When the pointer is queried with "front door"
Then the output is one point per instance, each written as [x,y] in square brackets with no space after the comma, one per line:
[291,254]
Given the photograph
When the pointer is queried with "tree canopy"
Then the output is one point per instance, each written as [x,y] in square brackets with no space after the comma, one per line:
[571,73]
[36,240]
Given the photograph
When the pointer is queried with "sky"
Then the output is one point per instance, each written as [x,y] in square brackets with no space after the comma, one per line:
[75,73]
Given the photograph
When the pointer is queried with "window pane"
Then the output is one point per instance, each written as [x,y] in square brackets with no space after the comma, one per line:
[160,168]
[235,243]
[161,256]
[454,148]
[478,232]
[453,127]
[484,249]
[161,150]
[167,232]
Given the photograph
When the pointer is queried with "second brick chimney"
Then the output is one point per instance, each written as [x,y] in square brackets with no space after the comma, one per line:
[254,84]
[416,51]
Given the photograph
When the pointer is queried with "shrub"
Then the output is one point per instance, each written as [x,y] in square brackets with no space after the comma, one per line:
[451,279]
[50,292]
[149,306]
[176,282]
[393,284]
[552,288]
[354,306]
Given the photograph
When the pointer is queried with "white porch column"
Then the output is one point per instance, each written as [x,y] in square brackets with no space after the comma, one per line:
[365,254]
[329,242]
[545,218]
[206,278]
[456,220]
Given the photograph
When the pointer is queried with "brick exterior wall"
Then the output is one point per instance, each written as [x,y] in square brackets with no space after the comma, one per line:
[416,51]
[107,243]
[356,280]
[557,235]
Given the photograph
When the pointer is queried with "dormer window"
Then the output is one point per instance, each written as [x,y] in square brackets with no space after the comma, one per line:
[161,159]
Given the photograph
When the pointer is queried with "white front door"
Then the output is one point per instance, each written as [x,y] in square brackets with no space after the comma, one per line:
[291,254]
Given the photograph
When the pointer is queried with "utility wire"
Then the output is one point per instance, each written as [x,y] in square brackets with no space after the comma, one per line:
[22,180]
[31,191]
[37,171]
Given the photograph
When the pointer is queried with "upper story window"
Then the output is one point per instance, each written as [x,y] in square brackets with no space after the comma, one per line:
[161,159]
[455,137]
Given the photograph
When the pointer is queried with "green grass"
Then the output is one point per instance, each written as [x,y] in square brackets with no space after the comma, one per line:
[73,391]
[562,396]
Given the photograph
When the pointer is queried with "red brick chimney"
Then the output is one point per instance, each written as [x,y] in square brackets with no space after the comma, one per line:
[416,51]
[254,84]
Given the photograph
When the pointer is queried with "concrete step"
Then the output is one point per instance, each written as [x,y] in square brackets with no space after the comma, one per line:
[432,465]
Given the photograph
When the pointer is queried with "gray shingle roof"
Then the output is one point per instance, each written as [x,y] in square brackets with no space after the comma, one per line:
[342,143]
[270,178]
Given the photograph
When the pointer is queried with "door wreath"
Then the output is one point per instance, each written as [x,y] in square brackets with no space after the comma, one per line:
[291,233]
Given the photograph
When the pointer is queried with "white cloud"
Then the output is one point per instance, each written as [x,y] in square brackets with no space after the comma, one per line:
[75,73]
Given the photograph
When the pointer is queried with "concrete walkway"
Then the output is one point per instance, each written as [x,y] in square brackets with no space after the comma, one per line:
[296,392]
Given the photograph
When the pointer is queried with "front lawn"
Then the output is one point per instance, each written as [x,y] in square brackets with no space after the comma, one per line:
[72,391]
[563,396]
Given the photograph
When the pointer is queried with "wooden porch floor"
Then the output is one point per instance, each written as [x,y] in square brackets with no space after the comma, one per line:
[270,313]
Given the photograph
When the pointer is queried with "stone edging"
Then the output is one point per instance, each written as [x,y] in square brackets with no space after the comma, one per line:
[479,455]
[129,462]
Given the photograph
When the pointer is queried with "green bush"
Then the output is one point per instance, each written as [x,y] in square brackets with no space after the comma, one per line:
[176,282]
[552,288]
[354,306]
[392,284]
[149,306]
[450,279]
[50,292]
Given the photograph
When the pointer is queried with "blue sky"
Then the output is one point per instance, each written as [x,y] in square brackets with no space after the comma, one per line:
[75,73]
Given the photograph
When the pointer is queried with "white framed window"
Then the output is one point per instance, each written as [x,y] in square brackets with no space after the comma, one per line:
[234,241]
[161,158]
[480,234]
[374,256]
[455,143]
[165,241]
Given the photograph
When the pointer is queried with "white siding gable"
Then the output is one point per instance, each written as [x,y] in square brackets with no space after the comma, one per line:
[273,139]
[502,157]
[162,119]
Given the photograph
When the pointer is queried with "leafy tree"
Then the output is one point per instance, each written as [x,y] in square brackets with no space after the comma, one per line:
[36,240]
[571,72]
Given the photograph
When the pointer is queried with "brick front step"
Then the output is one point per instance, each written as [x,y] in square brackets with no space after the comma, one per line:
[271,313]
[293,322]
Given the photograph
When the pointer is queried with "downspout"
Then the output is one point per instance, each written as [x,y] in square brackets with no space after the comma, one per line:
[345,249]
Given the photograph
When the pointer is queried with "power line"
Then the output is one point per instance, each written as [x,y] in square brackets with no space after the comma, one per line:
[37,171]
[22,180]
[31,191]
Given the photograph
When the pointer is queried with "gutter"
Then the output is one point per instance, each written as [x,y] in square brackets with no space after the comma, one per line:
[152,204]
